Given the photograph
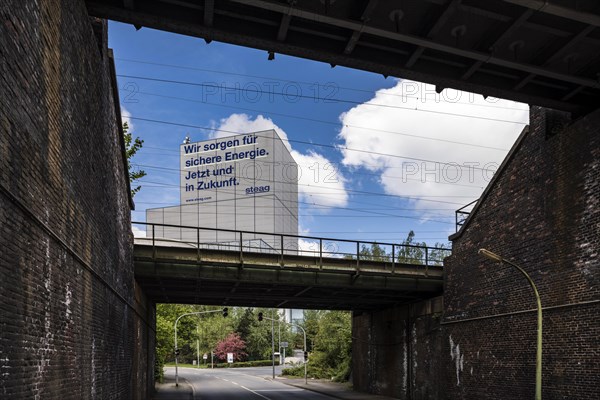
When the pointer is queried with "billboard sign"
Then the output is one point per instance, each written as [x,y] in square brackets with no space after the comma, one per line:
[232,166]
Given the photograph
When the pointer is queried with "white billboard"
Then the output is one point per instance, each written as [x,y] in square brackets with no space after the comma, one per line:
[221,168]
[245,182]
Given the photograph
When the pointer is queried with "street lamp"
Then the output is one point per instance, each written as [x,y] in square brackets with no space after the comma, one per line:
[261,317]
[224,311]
[538,358]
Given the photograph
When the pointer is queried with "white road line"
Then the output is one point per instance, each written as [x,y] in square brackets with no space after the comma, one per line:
[256,393]
[245,388]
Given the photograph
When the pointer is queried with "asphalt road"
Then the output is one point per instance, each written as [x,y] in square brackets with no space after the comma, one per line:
[241,384]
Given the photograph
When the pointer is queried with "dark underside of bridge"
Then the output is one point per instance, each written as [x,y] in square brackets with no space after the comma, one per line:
[213,277]
[534,51]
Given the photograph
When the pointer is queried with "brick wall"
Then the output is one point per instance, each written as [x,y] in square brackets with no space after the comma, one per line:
[396,352]
[542,211]
[70,325]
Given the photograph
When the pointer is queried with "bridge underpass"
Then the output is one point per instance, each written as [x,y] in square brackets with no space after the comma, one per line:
[243,273]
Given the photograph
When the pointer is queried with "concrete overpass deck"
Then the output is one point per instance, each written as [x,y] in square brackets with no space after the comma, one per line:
[175,271]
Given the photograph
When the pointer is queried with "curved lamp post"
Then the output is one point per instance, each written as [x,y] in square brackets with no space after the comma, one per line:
[224,311]
[538,358]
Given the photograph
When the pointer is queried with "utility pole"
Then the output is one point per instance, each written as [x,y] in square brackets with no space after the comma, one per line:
[273,343]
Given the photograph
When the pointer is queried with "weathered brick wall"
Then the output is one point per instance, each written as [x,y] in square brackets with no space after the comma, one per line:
[69,323]
[396,352]
[542,212]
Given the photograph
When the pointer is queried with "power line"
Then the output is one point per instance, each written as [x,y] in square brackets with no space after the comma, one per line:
[410,197]
[311,143]
[332,100]
[176,171]
[370,92]
[451,210]
[322,206]
[311,119]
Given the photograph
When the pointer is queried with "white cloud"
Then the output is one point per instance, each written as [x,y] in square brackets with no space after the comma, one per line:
[319,182]
[307,247]
[126,117]
[138,232]
[444,180]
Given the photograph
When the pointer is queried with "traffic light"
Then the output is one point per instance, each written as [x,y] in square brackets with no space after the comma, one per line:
[176,352]
[225,312]
[260,316]
[306,356]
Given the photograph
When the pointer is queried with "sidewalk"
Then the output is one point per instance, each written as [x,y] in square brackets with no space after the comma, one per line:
[338,390]
[168,390]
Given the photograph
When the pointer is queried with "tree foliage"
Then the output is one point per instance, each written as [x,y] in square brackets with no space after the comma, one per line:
[132,146]
[331,354]
[233,343]
[408,251]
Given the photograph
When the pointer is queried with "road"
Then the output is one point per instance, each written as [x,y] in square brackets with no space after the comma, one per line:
[241,384]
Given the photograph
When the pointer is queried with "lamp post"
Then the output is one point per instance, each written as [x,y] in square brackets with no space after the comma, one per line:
[224,311]
[261,317]
[538,358]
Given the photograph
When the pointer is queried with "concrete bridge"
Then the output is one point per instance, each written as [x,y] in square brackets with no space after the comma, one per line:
[247,272]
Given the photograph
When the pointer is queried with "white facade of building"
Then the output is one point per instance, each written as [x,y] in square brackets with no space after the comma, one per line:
[244,183]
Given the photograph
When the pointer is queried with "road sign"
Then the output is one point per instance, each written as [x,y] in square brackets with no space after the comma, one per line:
[230,357]
[205,356]
[283,344]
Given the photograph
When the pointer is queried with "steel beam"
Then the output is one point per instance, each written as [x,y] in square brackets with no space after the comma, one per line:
[209,12]
[419,41]
[547,7]
[557,54]
[356,34]
[517,23]
[439,23]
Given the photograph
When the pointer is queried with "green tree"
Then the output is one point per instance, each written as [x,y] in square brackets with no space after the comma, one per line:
[132,146]
[374,253]
[332,351]
[311,325]
[259,338]
[245,322]
[329,340]
[409,253]
[205,329]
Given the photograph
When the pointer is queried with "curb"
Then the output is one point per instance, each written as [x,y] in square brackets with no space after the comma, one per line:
[315,390]
[184,386]
[352,395]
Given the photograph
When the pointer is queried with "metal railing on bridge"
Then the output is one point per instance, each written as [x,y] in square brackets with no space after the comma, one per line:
[248,242]
[463,213]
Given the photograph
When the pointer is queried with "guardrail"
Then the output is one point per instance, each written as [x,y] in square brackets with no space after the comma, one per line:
[246,242]
[460,215]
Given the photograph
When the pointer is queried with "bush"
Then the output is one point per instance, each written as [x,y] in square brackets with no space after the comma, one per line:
[293,371]
[159,371]
[242,364]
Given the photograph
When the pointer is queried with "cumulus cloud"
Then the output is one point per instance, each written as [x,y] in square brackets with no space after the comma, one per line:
[319,182]
[126,117]
[436,155]
[138,232]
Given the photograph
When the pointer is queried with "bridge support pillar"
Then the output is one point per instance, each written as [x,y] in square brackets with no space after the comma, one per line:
[395,352]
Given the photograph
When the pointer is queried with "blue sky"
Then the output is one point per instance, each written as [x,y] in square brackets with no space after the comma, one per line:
[405,157]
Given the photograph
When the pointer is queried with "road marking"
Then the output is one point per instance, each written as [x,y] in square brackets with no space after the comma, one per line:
[256,393]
